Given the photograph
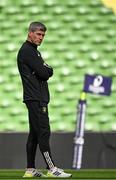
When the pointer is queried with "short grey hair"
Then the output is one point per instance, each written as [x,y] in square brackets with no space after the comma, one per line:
[37,25]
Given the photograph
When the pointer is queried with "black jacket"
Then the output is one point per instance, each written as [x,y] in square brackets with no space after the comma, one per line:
[34,73]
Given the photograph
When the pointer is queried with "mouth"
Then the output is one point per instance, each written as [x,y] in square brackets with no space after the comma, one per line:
[39,42]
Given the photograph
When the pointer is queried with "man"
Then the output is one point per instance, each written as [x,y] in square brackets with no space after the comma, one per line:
[34,73]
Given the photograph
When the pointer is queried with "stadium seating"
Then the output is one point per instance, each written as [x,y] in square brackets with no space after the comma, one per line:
[81,39]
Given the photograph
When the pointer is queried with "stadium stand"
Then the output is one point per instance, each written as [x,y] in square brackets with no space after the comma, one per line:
[81,39]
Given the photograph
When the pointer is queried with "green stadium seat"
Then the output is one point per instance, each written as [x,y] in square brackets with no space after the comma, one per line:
[50,3]
[111,33]
[113,73]
[5,103]
[83,10]
[94,55]
[62,127]
[102,26]
[3,4]
[80,40]
[11,47]
[94,111]
[65,71]
[90,127]
[45,18]
[17,111]
[99,40]
[58,10]
[19,19]
[104,118]
[57,103]
[51,39]
[109,48]
[68,18]
[105,127]
[61,48]
[78,26]
[93,19]
[81,64]
[26,3]
[104,11]
[2,118]
[73,3]
[113,126]
[2,79]
[9,87]
[95,4]
[34,10]
[105,64]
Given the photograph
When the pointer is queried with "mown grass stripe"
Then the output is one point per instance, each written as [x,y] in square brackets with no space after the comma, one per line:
[79,175]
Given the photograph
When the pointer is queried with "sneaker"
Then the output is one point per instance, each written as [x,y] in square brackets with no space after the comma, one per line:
[56,172]
[33,173]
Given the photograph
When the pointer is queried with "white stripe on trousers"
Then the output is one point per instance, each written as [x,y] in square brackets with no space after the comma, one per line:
[48,159]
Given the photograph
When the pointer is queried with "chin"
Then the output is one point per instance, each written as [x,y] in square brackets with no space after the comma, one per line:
[38,44]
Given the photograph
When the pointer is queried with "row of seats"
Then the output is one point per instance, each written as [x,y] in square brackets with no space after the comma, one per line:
[80,40]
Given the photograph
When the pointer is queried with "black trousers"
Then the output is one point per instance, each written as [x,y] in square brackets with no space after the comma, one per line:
[39,134]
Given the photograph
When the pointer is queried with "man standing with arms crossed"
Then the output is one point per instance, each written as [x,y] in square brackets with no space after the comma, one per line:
[34,74]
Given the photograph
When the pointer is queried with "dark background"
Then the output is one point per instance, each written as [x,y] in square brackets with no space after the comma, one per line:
[99,150]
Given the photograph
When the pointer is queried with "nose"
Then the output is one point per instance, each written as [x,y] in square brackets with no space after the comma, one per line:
[41,37]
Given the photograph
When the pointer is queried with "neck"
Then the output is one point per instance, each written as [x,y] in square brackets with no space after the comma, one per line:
[33,44]
[30,40]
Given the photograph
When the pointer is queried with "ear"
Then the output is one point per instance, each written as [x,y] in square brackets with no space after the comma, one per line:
[30,34]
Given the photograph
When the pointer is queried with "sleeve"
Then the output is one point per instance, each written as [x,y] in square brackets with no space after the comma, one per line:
[36,64]
[49,69]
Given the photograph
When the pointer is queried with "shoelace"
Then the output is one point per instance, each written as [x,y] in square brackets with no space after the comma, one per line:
[61,170]
[58,169]
[35,172]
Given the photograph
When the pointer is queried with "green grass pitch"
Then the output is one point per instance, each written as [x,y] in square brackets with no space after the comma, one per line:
[76,174]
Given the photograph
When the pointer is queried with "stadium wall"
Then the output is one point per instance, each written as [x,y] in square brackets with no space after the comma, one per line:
[99,150]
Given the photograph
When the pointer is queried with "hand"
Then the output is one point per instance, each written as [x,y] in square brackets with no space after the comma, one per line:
[46,65]
[49,68]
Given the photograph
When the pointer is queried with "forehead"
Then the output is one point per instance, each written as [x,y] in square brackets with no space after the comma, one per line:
[39,31]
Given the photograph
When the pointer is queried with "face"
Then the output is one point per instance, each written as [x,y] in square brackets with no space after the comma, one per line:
[36,37]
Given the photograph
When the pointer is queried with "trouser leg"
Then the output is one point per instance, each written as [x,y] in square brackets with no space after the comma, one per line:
[39,133]
[31,147]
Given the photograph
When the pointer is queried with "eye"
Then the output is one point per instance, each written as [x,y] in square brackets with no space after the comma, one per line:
[39,34]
